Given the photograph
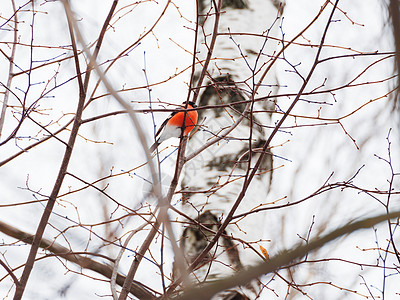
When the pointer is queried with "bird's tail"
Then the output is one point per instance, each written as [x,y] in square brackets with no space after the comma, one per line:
[154,146]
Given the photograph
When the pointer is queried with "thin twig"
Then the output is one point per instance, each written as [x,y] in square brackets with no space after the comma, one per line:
[10,272]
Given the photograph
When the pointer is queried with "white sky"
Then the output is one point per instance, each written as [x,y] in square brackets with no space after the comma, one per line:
[311,154]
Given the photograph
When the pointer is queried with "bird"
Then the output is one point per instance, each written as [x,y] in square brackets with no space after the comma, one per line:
[172,126]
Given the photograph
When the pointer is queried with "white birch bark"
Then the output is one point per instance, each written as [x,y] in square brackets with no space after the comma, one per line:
[214,179]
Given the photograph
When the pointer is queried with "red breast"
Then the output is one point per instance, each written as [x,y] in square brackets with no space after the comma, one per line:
[186,118]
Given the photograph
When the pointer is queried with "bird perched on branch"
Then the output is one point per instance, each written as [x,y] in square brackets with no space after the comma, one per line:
[173,125]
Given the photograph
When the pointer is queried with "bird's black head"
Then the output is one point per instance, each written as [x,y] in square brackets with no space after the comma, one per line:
[191,103]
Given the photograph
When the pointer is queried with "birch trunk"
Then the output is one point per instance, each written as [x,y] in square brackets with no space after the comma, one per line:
[213,179]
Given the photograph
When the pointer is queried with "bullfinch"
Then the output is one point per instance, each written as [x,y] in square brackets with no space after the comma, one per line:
[172,126]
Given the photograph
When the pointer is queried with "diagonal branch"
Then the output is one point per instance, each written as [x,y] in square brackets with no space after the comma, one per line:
[160,218]
[217,8]
[63,168]
[283,259]
[136,124]
[9,271]
[137,288]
